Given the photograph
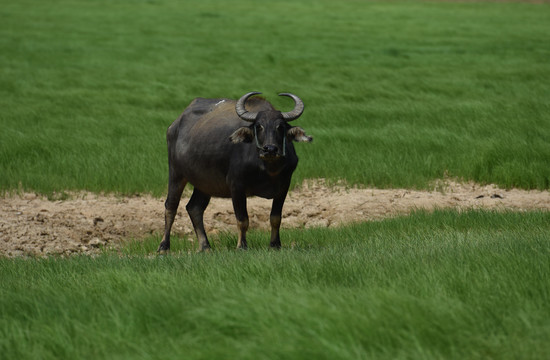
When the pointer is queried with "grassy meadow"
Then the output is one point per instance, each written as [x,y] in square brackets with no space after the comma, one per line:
[397,94]
[430,286]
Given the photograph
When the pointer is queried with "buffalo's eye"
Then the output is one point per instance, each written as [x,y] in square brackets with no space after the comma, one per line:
[280,128]
[259,128]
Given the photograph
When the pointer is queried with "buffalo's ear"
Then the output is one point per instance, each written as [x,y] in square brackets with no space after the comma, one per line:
[243,134]
[296,133]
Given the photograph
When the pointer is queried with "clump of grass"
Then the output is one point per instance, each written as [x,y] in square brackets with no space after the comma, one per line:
[432,285]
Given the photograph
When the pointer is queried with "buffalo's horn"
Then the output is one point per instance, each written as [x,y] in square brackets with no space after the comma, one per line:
[298,107]
[242,112]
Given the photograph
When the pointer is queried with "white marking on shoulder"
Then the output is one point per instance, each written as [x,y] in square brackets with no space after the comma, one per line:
[219,102]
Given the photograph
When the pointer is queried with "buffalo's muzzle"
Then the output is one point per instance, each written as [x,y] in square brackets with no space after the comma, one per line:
[270,152]
[270,149]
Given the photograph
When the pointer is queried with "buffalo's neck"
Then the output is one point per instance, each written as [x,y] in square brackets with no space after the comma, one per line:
[274,168]
[269,186]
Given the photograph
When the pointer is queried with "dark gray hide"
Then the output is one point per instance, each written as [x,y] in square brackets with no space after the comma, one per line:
[225,154]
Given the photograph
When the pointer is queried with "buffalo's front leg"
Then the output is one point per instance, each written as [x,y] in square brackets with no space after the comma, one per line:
[239,206]
[175,189]
[195,208]
[275,220]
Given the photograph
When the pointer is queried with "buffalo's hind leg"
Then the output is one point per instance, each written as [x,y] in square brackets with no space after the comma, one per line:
[175,189]
[195,208]
[239,206]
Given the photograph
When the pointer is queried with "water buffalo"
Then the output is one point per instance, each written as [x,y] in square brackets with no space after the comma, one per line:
[225,149]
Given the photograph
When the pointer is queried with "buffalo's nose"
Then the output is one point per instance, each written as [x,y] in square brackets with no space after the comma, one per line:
[270,149]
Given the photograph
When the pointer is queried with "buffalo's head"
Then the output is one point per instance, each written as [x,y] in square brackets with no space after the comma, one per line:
[269,129]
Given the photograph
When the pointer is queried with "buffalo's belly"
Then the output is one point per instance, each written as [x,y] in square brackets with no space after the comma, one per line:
[218,186]
[212,189]
[267,191]
[208,179]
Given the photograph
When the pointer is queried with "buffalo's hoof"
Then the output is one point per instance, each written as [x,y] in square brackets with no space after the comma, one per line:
[164,247]
[242,245]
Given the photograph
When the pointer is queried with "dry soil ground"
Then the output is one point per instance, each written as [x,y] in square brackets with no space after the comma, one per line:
[33,225]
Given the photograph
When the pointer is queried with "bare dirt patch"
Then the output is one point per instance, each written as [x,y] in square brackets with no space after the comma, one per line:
[33,225]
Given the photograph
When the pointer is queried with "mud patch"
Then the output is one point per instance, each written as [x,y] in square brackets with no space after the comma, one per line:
[32,225]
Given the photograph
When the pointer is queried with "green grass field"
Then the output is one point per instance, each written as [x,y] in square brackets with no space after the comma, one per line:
[430,286]
[397,94]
